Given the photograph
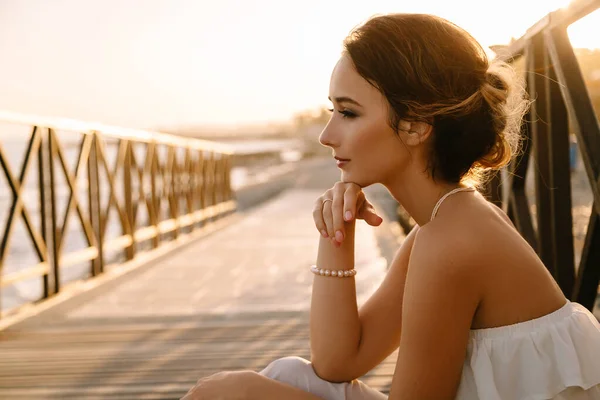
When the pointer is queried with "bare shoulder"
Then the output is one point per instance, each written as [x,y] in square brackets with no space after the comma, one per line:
[440,245]
[475,249]
[459,239]
[465,240]
[500,212]
[472,229]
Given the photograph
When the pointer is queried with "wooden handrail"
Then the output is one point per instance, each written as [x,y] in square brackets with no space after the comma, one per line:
[193,188]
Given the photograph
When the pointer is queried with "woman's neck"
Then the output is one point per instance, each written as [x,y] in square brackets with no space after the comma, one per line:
[418,194]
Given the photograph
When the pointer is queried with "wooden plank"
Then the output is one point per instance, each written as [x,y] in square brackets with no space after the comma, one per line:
[140,361]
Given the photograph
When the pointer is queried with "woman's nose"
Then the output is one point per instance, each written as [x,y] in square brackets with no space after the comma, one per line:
[325,138]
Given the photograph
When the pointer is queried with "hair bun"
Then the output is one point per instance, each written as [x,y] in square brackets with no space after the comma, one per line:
[505,96]
[494,89]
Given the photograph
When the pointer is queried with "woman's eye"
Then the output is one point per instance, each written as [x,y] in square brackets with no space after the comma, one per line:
[345,113]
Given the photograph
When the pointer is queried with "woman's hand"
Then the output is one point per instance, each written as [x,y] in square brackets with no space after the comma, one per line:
[342,203]
[226,385]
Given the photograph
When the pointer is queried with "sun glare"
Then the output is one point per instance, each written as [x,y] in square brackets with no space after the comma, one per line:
[178,71]
[584,33]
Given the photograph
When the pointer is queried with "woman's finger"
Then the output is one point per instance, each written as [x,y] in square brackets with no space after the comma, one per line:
[338,211]
[327,213]
[351,197]
[318,217]
[369,214]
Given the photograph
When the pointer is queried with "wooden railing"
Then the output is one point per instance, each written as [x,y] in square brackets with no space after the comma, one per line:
[182,184]
[561,103]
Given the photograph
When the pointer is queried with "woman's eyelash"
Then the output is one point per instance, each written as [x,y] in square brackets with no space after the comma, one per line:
[345,113]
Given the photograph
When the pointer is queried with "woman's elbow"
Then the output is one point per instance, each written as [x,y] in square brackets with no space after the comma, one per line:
[332,372]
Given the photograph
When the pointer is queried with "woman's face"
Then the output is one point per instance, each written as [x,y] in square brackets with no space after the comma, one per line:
[359,130]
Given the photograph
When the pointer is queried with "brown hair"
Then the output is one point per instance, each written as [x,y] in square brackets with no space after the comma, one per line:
[431,70]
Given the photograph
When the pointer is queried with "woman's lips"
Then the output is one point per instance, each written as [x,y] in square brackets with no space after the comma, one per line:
[341,163]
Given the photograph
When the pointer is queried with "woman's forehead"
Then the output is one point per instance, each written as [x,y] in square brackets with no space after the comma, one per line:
[347,82]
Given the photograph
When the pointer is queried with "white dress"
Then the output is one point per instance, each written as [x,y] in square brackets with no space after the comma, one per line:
[556,356]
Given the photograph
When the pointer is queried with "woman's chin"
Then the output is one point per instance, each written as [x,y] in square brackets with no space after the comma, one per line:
[348,178]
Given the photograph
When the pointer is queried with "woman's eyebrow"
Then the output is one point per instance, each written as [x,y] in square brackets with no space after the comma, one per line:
[345,99]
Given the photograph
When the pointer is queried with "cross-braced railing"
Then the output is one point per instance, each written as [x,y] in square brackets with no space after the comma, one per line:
[561,103]
[181,184]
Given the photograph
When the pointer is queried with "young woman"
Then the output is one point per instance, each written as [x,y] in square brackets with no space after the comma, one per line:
[470,307]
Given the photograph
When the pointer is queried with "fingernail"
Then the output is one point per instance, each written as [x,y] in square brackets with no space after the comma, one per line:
[348,215]
[339,236]
[324,233]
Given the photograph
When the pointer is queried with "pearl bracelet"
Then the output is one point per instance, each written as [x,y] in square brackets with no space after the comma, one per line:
[325,272]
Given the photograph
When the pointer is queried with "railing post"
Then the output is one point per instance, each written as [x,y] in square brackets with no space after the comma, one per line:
[228,178]
[172,169]
[187,186]
[541,149]
[213,181]
[43,181]
[156,212]
[129,250]
[516,203]
[560,181]
[585,290]
[201,187]
[217,174]
[53,229]
[94,204]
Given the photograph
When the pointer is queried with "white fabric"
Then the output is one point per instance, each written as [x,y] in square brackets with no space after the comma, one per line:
[556,356]
[298,372]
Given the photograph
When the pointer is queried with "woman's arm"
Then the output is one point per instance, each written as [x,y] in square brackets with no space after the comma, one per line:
[440,300]
[334,322]
[335,328]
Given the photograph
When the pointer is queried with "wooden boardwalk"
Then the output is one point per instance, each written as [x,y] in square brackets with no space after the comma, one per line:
[149,361]
[237,299]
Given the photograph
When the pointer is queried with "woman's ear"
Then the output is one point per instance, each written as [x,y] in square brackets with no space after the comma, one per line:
[415,132]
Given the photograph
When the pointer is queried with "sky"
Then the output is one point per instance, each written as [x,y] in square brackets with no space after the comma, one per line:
[173,63]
